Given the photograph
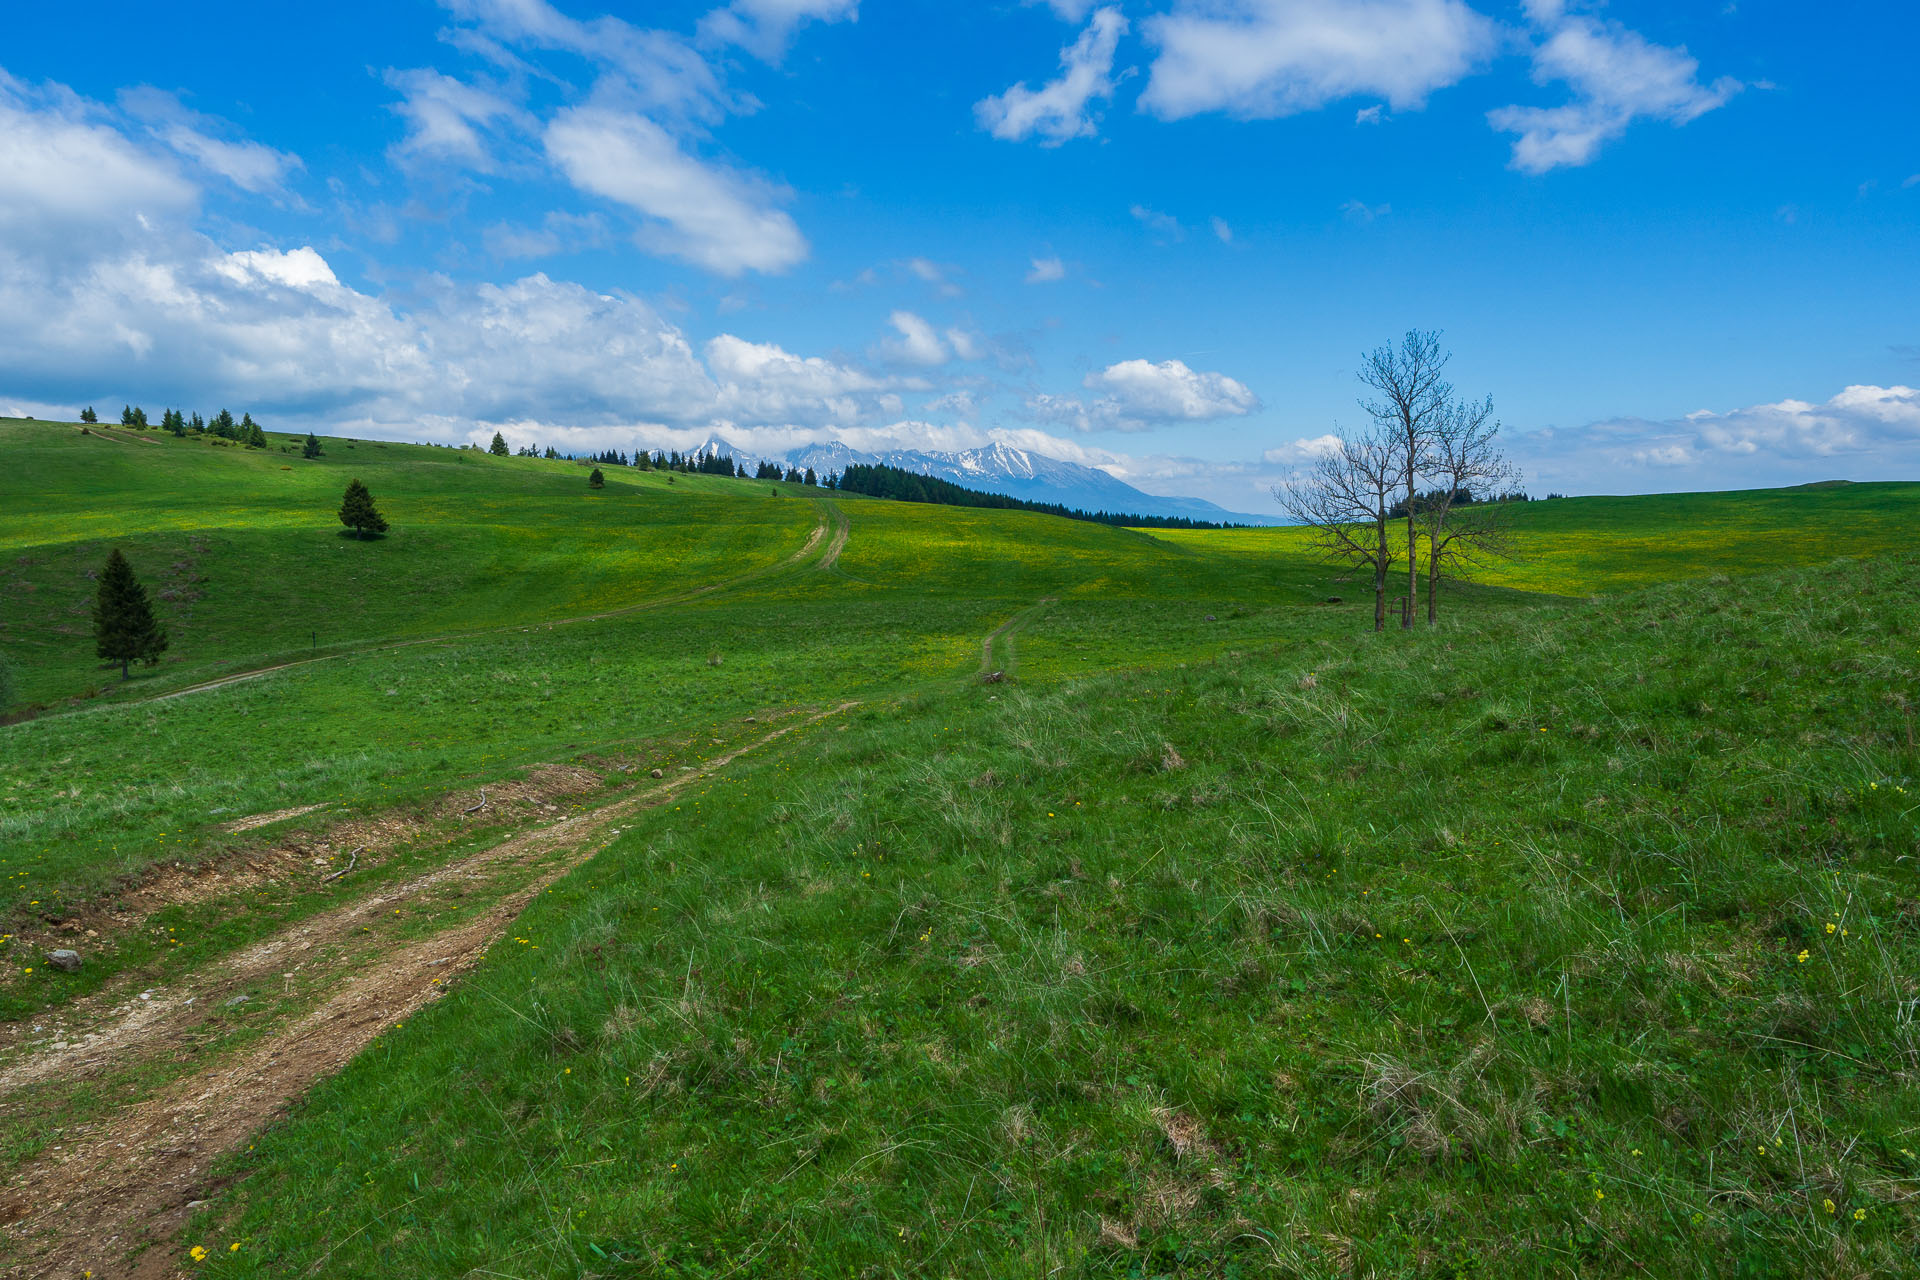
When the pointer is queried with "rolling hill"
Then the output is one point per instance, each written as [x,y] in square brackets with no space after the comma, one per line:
[709,877]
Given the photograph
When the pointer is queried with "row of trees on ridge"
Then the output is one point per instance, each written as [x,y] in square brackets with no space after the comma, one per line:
[246,431]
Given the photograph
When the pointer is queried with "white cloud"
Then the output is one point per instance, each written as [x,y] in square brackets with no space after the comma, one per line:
[1222,232]
[715,218]
[1370,115]
[447,118]
[765,27]
[1304,449]
[1057,111]
[1263,58]
[1139,395]
[918,342]
[1862,433]
[66,175]
[1617,77]
[1164,225]
[765,384]
[251,166]
[1171,392]
[1046,271]
[657,72]
[1359,211]
[933,273]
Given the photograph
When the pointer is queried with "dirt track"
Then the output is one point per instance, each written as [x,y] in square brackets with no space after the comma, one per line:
[131,1179]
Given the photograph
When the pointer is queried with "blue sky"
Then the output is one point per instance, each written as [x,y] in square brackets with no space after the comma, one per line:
[1676,243]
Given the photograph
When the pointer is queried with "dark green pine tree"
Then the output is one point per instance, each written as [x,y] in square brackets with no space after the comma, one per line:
[224,426]
[499,446]
[88,415]
[312,447]
[250,433]
[140,417]
[357,511]
[124,628]
[199,424]
[596,480]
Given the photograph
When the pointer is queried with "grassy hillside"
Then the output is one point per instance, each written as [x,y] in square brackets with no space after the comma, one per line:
[1218,937]
[1591,546]
[1367,956]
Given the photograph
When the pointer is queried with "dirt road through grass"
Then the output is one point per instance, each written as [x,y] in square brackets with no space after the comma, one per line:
[106,1195]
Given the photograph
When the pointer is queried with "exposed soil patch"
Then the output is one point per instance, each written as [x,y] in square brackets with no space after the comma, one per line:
[129,1181]
[268,819]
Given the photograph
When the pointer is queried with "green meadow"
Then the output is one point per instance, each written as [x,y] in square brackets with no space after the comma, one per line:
[1218,937]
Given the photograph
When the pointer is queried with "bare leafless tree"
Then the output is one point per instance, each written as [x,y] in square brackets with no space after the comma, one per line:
[1463,462]
[1410,398]
[1346,496]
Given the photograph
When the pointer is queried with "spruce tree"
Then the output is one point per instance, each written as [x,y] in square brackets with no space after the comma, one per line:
[126,415]
[312,447]
[124,628]
[358,513]
[140,417]
[499,447]
[88,415]
[223,425]
[199,424]
[250,433]
[596,480]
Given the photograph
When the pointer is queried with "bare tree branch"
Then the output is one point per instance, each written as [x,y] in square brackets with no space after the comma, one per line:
[1345,496]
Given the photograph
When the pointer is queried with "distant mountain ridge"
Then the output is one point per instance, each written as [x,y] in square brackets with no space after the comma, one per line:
[1001,468]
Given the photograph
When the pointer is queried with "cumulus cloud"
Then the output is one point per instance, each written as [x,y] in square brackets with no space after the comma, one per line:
[718,219]
[1258,59]
[1221,231]
[1616,76]
[1058,111]
[1861,433]
[1139,395]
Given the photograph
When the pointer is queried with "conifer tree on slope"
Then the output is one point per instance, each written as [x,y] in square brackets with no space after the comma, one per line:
[124,628]
[88,415]
[312,447]
[250,433]
[358,513]
[499,446]
[596,480]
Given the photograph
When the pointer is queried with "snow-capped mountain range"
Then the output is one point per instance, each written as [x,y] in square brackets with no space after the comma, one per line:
[1000,468]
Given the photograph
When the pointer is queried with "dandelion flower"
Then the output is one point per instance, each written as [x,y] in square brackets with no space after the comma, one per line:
[1859,1215]
[197,1253]
[1802,957]
[234,1247]
[1832,927]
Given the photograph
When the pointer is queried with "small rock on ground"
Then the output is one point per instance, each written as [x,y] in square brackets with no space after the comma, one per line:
[64,960]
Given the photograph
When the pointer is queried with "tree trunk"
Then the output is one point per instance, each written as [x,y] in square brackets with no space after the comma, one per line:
[123,670]
[1380,581]
[1433,582]
[1413,558]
